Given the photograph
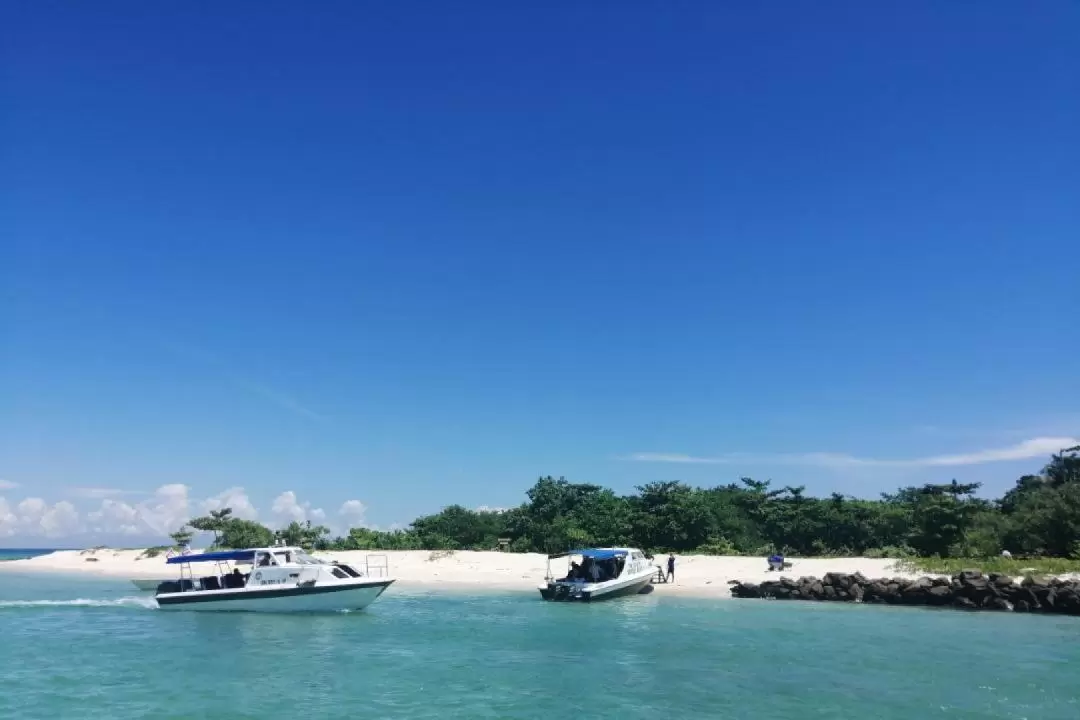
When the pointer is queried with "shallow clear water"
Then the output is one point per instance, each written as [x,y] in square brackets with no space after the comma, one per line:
[97,649]
[21,553]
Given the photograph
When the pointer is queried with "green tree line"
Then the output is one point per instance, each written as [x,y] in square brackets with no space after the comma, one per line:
[1039,516]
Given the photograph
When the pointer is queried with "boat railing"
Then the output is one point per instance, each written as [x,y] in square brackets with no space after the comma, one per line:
[376,566]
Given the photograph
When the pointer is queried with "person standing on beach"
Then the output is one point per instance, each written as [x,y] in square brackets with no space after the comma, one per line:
[671,567]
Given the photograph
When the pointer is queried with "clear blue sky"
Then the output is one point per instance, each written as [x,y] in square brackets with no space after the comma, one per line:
[421,253]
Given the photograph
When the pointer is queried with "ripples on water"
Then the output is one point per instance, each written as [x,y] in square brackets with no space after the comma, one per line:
[97,649]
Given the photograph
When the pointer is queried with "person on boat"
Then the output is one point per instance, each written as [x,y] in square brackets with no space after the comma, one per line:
[671,567]
[594,571]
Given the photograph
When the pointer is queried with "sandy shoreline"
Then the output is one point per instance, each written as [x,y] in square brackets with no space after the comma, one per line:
[697,575]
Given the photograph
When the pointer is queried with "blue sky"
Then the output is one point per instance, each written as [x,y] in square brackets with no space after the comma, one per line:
[409,254]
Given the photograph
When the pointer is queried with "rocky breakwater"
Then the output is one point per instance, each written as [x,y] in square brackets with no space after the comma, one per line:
[970,589]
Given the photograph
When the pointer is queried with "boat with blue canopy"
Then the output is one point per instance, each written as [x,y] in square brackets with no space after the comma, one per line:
[602,573]
[219,556]
[274,579]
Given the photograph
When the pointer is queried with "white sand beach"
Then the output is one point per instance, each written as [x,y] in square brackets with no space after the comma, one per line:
[701,575]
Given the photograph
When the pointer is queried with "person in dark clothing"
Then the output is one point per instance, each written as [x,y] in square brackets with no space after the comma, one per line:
[671,567]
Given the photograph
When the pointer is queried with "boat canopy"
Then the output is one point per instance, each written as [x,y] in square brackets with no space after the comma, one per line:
[220,556]
[595,553]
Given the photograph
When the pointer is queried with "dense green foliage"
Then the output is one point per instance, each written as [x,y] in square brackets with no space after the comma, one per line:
[233,532]
[1040,516]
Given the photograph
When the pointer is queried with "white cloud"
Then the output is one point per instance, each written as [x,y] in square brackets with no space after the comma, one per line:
[31,511]
[8,520]
[489,508]
[115,517]
[287,509]
[7,484]
[163,512]
[353,513]
[35,517]
[60,520]
[94,493]
[1035,448]
[167,510]
[234,498]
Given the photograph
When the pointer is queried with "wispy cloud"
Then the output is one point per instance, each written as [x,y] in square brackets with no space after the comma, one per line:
[8,485]
[278,398]
[1035,448]
[272,395]
[95,493]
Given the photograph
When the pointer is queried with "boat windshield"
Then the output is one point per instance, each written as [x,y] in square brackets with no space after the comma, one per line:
[303,558]
[595,570]
[295,556]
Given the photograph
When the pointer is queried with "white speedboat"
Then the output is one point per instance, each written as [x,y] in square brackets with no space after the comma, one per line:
[280,579]
[602,573]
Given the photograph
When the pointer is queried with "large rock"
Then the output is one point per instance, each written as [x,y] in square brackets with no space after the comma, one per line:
[877,591]
[939,595]
[972,579]
[837,580]
[744,590]
[969,589]
[1068,600]
[1001,604]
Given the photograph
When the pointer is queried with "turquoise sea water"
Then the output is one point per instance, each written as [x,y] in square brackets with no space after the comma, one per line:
[87,648]
[21,553]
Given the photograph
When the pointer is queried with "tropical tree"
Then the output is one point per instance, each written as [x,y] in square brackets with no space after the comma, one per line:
[305,535]
[181,537]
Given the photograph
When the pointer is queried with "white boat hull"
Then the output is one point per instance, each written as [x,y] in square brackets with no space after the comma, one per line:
[589,592]
[320,598]
[149,585]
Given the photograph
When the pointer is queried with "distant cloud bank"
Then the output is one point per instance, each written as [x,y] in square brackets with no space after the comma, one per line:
[163,511]
[1026,450]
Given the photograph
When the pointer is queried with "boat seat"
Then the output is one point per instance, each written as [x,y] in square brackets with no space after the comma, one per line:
[211,583]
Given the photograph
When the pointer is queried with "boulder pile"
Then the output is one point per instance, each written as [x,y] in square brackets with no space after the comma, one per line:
[969,589]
